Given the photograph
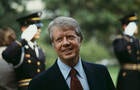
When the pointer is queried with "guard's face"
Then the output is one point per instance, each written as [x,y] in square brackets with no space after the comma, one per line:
[37,35]
[66,43]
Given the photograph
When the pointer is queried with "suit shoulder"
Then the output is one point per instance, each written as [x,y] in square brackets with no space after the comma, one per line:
[95,66]
[99,66]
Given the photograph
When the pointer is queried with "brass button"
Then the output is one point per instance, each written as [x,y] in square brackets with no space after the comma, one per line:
[129,51]
[38,63]
[138,58]
[29,61]
[38,70]
[124,74]
[128,47]
[27,55]
[134,67]
[138,52]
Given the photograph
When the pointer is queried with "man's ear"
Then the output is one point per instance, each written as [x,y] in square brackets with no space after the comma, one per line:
[52,44]
[80,39]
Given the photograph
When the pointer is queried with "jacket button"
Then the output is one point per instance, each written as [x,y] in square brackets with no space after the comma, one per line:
[38,63]
[124,74]
[29,61]
[38,70]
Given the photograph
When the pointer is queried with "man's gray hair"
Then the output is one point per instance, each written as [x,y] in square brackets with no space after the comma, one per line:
[64,23]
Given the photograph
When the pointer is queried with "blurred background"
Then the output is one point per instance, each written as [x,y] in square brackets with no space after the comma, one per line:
[99,21]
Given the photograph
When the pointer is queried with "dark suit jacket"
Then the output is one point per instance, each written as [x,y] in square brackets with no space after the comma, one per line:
[52,79]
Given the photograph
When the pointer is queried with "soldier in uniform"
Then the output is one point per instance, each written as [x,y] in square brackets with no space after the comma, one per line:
[127,51]
[26,56]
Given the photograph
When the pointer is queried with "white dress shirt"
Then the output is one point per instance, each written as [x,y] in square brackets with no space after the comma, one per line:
[33,45]
[65,70]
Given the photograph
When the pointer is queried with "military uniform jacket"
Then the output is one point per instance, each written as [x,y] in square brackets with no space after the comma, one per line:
[30,65]
[127,51]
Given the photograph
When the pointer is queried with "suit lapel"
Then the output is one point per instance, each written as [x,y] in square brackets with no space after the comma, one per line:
[60,81]
[91,76]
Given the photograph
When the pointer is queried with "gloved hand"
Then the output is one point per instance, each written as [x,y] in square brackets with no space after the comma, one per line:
[29,33]
[130,29]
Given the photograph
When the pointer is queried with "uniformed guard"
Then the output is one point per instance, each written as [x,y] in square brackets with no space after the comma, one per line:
[127,51]
[25,54]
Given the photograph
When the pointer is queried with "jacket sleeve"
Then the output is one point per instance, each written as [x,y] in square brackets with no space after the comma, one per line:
[119,45]
[12,53]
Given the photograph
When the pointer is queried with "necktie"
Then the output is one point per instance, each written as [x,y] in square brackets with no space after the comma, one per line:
[36,50]
[75,83]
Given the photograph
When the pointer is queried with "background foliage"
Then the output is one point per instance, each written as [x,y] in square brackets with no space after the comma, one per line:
[98,20]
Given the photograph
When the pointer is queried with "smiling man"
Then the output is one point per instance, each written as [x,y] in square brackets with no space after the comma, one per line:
[70,72]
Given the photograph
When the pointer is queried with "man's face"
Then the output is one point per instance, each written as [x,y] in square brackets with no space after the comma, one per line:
[37,35]
[66,43]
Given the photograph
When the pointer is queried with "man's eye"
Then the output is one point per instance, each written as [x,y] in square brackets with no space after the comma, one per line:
[71,37]
[58,40]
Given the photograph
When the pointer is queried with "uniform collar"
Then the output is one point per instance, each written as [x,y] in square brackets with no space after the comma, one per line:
[32,44]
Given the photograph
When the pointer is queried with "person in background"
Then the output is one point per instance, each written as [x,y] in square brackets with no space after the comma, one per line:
[7,74]
[70,71]
[26,55]
[127,50]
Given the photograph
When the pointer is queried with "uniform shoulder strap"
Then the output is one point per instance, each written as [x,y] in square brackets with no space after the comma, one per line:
[119,36]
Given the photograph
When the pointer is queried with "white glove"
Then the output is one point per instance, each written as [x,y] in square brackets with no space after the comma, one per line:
[29,33]
[130,29]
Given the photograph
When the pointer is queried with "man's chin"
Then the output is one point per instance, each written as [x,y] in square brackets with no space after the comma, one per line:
[37,37]
[68,57]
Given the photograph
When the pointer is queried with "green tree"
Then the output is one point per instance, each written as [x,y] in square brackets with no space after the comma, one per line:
[10,10]
[97,18]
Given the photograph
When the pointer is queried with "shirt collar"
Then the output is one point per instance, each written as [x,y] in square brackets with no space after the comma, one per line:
[31,44]
[79,68]
[65,69]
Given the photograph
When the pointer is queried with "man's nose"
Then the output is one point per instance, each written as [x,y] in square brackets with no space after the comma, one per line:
[66,41]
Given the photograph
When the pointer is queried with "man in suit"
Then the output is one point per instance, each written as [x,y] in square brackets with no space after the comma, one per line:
[70,72]
[26,56]
[127,50]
